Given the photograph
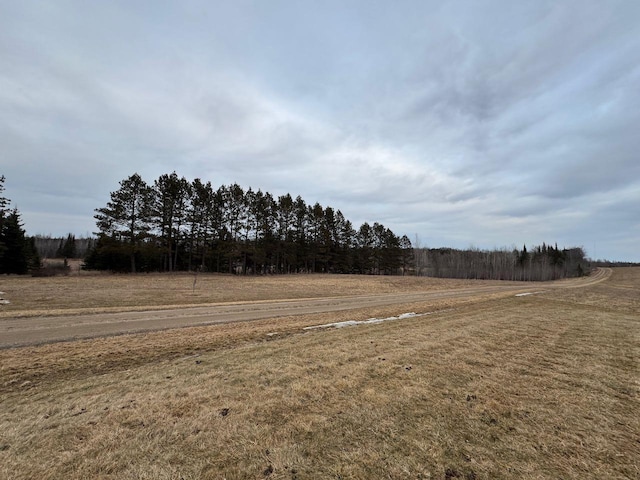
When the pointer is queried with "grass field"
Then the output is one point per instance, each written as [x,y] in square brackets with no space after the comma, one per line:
[544,386]
[110,293]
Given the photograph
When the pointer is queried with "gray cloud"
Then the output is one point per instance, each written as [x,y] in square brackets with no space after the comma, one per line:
[485,123]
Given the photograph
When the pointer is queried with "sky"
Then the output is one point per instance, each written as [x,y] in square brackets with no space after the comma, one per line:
[486,124]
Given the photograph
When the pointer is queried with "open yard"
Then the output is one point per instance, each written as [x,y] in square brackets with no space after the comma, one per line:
[487,386]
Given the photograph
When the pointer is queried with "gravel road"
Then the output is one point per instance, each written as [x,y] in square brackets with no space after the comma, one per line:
[16,332]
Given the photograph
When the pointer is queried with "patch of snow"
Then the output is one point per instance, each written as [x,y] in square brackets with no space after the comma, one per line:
[4,302]
[527,293]
[351,323]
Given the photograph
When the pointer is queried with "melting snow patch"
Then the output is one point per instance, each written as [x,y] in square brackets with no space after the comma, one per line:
[4,302]
[527,293]
[350,323]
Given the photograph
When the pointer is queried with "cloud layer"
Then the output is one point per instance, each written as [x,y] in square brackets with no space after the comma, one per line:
[464,123]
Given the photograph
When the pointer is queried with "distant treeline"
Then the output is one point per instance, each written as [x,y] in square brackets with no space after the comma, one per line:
[609,263]
[174,224]
[62,247]
[540,263]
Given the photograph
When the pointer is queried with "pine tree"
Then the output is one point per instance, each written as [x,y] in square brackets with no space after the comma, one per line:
[171,198]
[406,256]
[67,247]
[200,219]
[127,216]
[286,219]
[19,254]
[4,212]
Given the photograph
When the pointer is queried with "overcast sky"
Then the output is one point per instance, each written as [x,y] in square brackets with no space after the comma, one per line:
[460,123]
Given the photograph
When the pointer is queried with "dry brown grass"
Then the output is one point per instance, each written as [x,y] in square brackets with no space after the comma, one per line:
[103,292]
[541,387]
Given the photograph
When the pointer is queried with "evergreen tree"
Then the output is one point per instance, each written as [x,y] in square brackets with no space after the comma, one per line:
[128,215]
[67,247]
[19,254]
[286,219]
[200,220]
[170,213]
[407,256]
[236,217]
[301,234]
[365,247]
[346,242]
[263,210]
[316,228]
[4,212]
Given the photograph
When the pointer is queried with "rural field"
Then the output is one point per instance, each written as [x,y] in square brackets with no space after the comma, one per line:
[489,380]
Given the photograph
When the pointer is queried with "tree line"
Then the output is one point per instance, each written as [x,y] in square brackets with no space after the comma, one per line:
[63,247]
[539,263]
[175,224]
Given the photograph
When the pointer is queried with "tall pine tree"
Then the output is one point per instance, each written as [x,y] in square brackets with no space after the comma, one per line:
[128,215]
[4,211]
